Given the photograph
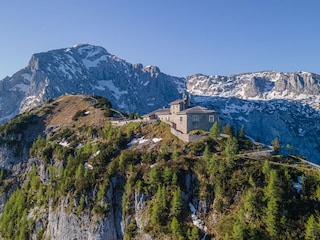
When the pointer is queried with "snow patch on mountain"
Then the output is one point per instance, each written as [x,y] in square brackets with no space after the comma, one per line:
[93,63]
[20,87]
[266,85]
[270,104]
[108,84]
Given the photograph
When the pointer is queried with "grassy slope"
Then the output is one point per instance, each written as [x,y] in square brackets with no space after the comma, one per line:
[221,185]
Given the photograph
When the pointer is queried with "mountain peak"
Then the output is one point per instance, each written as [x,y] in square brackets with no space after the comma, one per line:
[89,69]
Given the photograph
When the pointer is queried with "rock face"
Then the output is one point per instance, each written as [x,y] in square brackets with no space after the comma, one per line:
[87,69]
[268,85]
[285,103]
[268,104]
[65,225]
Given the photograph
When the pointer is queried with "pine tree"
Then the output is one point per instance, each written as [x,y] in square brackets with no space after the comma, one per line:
[214,130]
[231,150]
[239,226]
[272,196]
[276,145]
[271,190]
[80,171]
[318,193]
[159,207]
[175,155]
[194,234]
[162,198]
[154,176]
[271,217]
[212,165]
[251,182]
[81,205]
[175,227]
[242,133]
[206,153]
[312,231]
[176,203]
[289,148]
[266,168]
[156,213]
[227,129]
[249,202]
[167,175]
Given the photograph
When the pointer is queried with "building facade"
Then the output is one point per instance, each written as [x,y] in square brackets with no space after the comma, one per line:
[184,118]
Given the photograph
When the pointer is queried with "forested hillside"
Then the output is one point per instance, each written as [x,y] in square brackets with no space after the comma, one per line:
[69,174]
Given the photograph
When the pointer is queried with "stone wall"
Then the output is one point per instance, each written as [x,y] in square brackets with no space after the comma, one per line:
[186,137]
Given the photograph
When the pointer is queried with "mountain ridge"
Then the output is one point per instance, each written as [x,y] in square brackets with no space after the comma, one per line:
[90,69]
[82,179]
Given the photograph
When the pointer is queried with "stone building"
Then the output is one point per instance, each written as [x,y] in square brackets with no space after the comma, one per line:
[185,118]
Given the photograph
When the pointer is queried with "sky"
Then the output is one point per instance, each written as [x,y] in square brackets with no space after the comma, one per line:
[181,37]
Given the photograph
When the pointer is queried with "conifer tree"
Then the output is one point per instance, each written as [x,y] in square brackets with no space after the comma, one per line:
[194,234]
[214,130]
[271,190]
[175,155]
[276,145]
[266,168]
[174,180]
[231,150]
[206,153]
[271,217]
[167,175]
[156,213]
[159,207]
[212,164]
[176,203]
[242,133]
[175,227]
[227,129]
[312,231]
[249,202]
[239,226]
[272,211]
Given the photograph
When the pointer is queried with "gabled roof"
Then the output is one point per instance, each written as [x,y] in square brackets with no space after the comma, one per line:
[176,102]
[162,111]
[196,109]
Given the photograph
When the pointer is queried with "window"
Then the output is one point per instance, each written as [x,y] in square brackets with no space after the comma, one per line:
[211,118]
[181,119]
[195,119]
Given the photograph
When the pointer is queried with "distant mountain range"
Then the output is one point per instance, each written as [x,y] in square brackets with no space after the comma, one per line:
[269,104]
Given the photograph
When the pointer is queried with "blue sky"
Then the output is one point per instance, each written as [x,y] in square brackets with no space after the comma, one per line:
[180,37]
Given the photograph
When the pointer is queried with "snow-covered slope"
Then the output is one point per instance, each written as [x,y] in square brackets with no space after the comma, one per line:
[269,104]
[267,85]
[87,69]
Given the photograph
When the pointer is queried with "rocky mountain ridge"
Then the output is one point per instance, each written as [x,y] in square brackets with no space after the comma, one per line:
[269,104]
[282,105]
[266,85]
[67,177]
[87,69]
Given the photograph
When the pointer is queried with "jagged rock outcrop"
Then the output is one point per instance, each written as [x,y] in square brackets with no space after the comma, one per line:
[269,104]
[87,226]
[292,123]
[74,184]
[87,69]
[133,87]
[267,85]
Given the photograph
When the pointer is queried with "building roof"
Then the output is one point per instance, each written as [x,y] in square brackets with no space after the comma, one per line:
[162,111]
[176,102]
[196,109]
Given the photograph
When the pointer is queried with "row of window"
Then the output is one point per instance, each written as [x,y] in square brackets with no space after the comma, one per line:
[195,118]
